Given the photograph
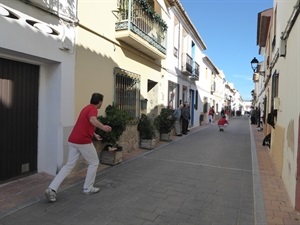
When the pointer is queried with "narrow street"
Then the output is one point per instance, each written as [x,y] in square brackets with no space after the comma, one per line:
[205,177]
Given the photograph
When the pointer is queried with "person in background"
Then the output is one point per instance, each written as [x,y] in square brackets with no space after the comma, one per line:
[222,112]
[253,115]
[177,116]
[258,119]
[80,143]
[211,114]
[185,115]
[222,123]
[227,113]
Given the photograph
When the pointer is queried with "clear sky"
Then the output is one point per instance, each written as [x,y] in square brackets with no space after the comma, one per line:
[228,29]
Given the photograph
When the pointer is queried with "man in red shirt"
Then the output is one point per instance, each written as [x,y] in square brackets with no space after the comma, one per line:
[80,143]
[222,123]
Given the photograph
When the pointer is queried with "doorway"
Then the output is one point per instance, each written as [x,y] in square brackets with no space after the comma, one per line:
[19,91]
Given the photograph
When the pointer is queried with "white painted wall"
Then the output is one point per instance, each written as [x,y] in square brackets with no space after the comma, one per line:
[22,42]
[289,94]
[174,65]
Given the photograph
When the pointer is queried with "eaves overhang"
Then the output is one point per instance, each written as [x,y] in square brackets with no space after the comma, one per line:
[263,26]
[211,65]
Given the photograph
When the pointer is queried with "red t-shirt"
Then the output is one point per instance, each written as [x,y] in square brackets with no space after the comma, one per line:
[83,130]
[222,121]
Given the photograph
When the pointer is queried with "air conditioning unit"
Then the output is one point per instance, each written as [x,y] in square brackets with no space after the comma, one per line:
[282,48]
[276,103]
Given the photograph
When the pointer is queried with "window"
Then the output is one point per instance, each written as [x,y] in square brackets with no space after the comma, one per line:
[275,84]
[151,3]
[275,80]
[127,92]
[184,94]
[173,95]
[196,100]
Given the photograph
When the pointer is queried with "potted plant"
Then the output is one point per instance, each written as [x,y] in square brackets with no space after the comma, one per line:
[117,119]
[164,122]
[147,132]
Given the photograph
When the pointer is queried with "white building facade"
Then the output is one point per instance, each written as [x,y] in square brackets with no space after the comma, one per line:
[37,77]
[184,64]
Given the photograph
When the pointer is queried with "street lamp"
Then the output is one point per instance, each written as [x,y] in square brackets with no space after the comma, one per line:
[254,63]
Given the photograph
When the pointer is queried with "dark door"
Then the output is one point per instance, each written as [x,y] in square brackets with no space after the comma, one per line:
[192,103]
[19,84]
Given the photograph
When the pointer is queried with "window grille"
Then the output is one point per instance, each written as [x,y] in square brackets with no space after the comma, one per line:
[275,85]
[127,92]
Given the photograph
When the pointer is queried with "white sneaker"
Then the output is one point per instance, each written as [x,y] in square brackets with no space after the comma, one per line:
[50,195]
[91,191]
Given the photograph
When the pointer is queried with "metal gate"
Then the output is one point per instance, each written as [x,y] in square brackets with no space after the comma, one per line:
[19,84]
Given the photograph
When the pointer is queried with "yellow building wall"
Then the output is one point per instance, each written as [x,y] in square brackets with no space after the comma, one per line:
[98,53]
[277,146]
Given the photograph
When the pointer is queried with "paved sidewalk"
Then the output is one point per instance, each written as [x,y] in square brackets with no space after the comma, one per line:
[20,193]
[23,192]
[278,206]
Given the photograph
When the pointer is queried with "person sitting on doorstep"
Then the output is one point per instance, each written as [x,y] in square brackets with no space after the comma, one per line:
[222,123]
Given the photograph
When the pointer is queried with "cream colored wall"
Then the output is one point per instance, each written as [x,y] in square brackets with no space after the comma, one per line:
[277,142]
[99,52]
[289,83]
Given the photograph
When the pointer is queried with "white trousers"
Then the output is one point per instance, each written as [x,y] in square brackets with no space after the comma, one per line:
[211,120]
[89,153]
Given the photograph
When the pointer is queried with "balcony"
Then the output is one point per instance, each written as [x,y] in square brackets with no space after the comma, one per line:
[186,65]
[195,74]
[140,27]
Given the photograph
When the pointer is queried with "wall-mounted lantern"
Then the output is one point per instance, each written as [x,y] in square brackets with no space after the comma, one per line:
[254,63]
[256,66]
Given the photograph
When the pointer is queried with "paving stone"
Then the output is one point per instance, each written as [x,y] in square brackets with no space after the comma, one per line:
[201,178]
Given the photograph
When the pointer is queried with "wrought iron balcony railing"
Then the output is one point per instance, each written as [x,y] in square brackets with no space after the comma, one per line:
[138,17]
[195,74]
[187,61]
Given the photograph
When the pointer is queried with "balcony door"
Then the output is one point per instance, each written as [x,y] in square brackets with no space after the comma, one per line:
[193,49]
[192,103]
